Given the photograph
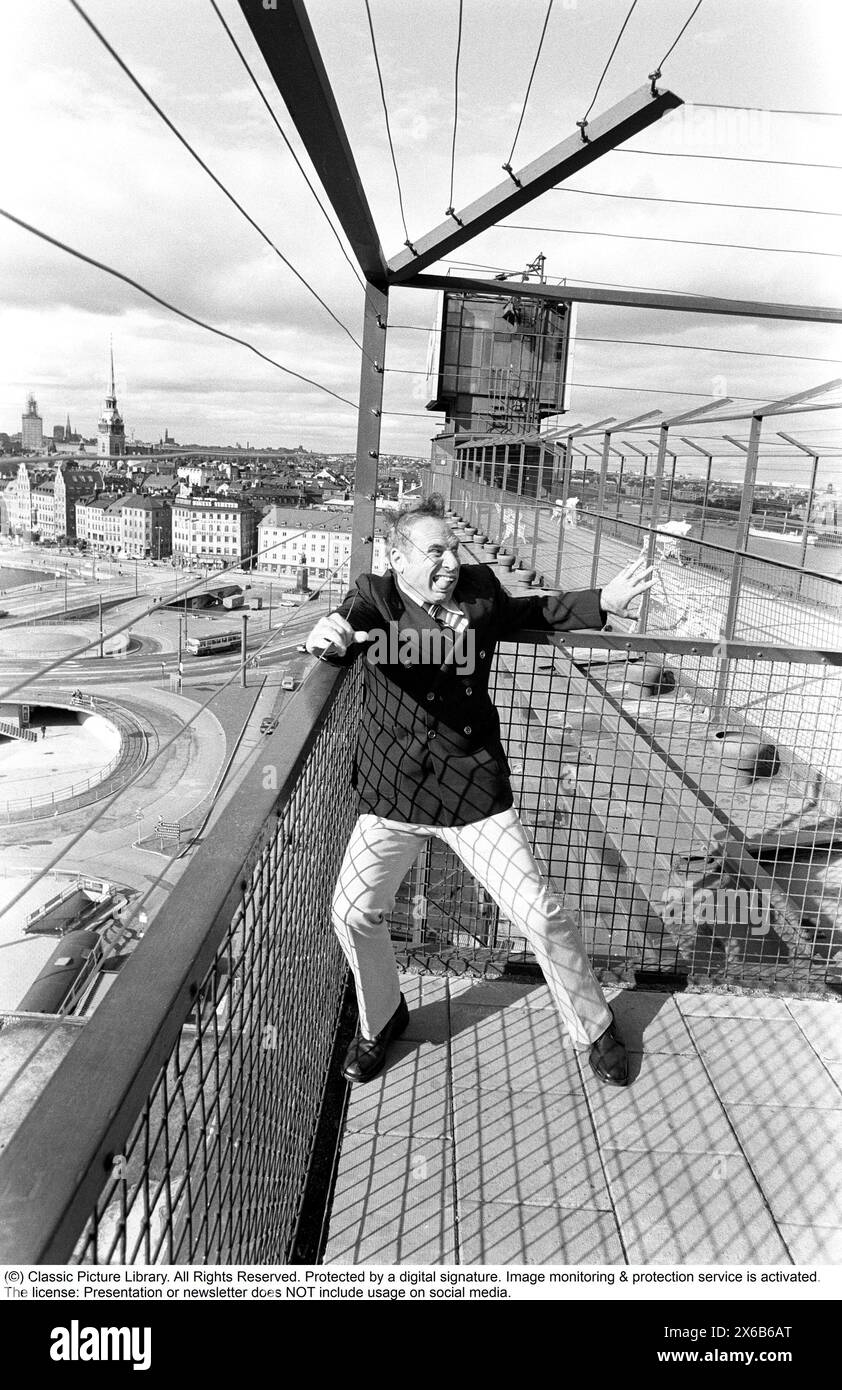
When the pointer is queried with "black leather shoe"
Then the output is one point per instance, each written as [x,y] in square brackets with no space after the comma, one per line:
[366,1057]
[608,1057]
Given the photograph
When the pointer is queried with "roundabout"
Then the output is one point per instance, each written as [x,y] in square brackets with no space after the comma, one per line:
[57,753]
[47,640]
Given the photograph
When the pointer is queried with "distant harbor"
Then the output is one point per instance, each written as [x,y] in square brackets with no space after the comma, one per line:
[823,557]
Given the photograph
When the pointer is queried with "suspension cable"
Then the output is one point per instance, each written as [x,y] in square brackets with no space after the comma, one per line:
[220,185]
[172,308]
[728,158]
[680,35]
[147,612]
[693,202]
[672,240]
[508,165]
[450,210]
[767,110]
[388,126]
[584,121]
[287,142]
[144,768]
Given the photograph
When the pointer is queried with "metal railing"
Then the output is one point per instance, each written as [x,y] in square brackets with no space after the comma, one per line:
[205,1067]
[657,778]
[209,1069]
[774,600]
[582,501]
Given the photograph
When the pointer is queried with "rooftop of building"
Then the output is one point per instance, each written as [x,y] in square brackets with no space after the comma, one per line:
[104,502]
[80,480]
[136,501]
[313,519]
[204,504]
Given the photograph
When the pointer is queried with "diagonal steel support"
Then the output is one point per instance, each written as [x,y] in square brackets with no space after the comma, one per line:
[285,37]
[622,121]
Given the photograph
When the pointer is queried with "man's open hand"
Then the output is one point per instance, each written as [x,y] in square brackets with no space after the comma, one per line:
[625,587]
[334,635]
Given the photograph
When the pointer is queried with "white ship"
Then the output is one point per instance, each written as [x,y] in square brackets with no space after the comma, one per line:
[790,537]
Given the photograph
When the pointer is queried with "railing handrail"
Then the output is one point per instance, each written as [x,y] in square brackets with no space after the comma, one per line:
[688,646]
[544,504]
[712,545]
[132,1033]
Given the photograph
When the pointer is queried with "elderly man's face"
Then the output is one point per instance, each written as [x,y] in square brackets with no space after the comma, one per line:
[428,564]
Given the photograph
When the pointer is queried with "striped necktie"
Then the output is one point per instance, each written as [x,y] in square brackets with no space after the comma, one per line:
[448,616]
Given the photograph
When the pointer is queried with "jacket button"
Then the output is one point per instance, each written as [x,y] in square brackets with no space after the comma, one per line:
[468,690]
[430,696]
[431,733]
[481,656]
[467,728]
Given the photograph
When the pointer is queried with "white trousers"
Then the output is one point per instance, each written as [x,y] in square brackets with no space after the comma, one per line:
[498,855]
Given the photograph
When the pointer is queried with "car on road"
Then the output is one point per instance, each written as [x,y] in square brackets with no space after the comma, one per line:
[288,683]
[268,725]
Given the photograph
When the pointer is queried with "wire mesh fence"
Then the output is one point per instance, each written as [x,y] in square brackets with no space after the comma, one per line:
[215,1167]
[720,573]
[683,797]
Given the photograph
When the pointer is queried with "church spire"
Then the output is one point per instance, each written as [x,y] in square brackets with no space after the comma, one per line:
[111,431]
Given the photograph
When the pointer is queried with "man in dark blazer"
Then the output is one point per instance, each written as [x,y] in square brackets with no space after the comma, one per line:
[429,761]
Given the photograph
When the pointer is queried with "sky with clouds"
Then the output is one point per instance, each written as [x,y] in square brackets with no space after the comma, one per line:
[88,161]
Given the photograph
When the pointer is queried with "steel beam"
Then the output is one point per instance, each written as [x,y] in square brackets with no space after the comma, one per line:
[813,454]
[285,37]
[605,133]
[643,299]
[369,417]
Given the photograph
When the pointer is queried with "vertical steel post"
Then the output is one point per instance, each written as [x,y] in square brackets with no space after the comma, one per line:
[810,497]
[521,458]
[600,503]
[705,497]
[244,651]
[518,496]
[565,493]
[620,488]
[538,488]
[672,486]
[743,523]
[369,415]
[663,436]
[489,511]
[643,487]
[708,456]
